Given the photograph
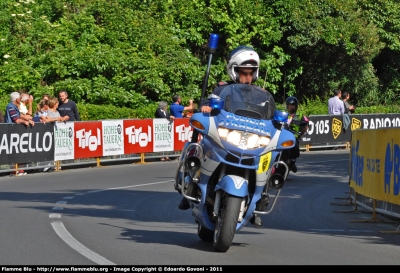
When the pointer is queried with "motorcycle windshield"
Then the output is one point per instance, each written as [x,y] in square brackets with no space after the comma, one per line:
[246,100]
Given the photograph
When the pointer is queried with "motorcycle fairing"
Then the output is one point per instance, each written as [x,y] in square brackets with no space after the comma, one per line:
[234,185]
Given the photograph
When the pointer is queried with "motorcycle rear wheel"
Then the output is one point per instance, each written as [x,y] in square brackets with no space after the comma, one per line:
[225,228]
[205,234]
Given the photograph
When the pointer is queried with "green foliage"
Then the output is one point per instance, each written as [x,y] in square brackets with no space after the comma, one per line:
[132,54]
[106,112]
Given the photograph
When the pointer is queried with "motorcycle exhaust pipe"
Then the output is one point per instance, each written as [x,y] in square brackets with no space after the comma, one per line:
[276,181]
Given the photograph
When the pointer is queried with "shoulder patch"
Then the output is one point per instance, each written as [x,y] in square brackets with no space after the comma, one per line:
[222,83]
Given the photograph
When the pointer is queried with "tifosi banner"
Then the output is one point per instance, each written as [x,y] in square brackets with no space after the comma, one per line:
[24,144]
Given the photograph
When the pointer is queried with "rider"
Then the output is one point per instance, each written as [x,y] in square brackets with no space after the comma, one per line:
[242,67]
[299,123]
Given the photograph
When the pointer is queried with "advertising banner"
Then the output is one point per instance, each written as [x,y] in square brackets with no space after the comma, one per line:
[375,164]
[138,136]
[64,140]
[182,133]
[329,129]
[88,139]
[113,137]
[163,135]
[24,144]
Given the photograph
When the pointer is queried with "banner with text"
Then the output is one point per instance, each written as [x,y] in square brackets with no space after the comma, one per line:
[24,144]
[375,164]
[328,129]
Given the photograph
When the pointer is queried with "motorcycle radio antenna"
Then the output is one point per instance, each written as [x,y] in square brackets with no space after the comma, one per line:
[212,48]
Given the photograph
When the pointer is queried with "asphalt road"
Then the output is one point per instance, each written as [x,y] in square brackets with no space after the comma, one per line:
[127,215]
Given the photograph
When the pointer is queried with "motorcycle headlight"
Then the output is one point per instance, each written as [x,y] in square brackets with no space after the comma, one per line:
[243,140]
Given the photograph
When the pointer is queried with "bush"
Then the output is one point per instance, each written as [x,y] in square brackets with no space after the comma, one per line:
[103,112]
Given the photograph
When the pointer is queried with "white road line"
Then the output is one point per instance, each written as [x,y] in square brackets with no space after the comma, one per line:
[341,230]
[321,162]
[54,215]
[63,233]
[133,186]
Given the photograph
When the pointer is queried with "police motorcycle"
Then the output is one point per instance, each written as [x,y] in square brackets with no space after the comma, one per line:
[227,175]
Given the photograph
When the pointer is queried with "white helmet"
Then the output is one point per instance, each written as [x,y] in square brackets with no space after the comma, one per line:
[242,56]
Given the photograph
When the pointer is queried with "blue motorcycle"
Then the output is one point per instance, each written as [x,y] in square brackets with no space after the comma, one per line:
[227,175]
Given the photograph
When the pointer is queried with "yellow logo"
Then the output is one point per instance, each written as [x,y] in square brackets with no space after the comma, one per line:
[336,127]
[355,124]
[264,163]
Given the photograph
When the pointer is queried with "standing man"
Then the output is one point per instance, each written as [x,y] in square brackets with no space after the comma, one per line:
[67,108]
[335,104]
[348,108]
[176,109]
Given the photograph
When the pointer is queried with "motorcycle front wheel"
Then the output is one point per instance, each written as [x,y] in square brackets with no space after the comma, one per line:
[225,228]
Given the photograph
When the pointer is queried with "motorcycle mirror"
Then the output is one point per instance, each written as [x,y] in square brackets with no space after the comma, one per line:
[280,116]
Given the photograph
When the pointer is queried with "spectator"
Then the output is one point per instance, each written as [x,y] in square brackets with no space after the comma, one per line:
[348,109]
[189,113]
[25,106]
[67,108]
[52,114]
[176,109]
[162,112]
[12,115]
[46,97]
[41,111]
[335,104]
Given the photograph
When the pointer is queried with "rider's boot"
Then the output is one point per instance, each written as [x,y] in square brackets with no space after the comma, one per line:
[293,167]
[184,204]
[256,221]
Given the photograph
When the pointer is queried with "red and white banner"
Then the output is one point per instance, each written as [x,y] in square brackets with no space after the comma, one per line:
[90,139]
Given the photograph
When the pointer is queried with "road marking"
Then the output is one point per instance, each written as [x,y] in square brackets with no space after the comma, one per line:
[133,186]
[320,162]
[54,215]
[341,230]
[63,233]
